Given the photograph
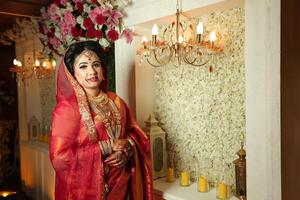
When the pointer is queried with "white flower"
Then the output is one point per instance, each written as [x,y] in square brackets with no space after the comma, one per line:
[104,42]
[69,7]
[86,8]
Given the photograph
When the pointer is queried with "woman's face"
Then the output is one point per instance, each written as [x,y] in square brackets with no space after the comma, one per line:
[88,72]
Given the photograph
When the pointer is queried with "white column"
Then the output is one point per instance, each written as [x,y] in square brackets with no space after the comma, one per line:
[263,99]
[22,111]
[125,78]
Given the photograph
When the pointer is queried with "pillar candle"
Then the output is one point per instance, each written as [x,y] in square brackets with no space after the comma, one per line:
[170,175]
[202,184]
[222,191]
[185,178]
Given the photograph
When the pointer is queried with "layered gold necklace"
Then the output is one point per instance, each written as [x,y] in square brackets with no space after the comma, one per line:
[108,111]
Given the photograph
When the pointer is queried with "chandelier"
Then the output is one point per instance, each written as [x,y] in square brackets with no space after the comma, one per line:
[36,65]
[178,48]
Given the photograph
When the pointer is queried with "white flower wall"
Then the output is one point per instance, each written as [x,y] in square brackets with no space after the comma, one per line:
[203,112]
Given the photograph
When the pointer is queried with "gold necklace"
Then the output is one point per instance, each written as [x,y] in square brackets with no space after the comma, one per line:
[106,108]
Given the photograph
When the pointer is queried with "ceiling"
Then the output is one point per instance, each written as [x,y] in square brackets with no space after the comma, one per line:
[12,9]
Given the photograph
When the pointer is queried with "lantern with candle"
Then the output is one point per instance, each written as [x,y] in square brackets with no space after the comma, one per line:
[185,177]
[170,173]
[202,175]
[222,185]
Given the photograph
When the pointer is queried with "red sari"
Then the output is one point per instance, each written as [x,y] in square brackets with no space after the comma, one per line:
[76,156]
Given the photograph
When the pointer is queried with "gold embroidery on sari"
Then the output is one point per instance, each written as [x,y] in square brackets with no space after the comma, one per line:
[83,106]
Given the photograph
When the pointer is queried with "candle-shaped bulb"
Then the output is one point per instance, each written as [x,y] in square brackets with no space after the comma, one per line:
[180,39]
[154,30]
[144,40]
[53,63]
[200,28]
[37,63]
[19,64]
[213,36]
[15,62]
[44,64]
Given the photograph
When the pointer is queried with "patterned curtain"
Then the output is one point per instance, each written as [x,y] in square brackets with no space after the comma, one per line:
[9,150]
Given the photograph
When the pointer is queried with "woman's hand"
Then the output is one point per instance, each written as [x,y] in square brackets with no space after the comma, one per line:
[120,144]
[116,159]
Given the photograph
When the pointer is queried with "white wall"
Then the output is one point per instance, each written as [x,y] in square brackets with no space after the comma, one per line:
[262,83]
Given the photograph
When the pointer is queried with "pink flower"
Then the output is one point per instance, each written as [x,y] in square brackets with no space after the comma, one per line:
[69,18]
[128,34]
[52,13]
[77,1]
[88,24]
[65,29]
[63,2]
[95,12]
[55,42]
[112,16]
[113,35]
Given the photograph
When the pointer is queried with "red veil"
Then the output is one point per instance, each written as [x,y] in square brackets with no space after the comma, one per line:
[75,153]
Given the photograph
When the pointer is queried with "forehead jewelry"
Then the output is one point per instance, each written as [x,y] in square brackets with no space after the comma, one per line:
[88,53]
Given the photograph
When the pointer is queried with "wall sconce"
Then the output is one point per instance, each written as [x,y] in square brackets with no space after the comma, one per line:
[41,68]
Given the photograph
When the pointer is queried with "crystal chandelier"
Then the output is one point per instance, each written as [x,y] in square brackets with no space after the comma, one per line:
[177,49]
[36,65]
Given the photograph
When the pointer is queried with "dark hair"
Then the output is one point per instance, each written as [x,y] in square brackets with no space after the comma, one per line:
[77,48]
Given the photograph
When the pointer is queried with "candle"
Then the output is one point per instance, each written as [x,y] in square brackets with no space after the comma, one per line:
[154,33]
[222,191]
[37,63]
[180,39]
[212,38]
[53,64]
[15,62]
[144,41]
[170,175]
[19,64]
[185,178]
[199,31]
[202,184]
[200,28]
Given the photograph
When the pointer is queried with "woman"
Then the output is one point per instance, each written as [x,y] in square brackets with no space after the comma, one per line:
[96,148]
